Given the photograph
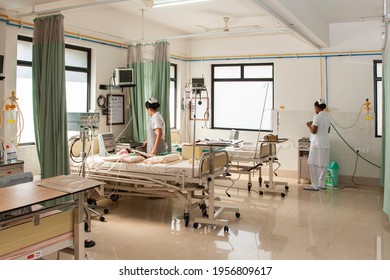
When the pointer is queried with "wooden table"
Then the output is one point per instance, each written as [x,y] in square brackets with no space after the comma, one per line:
[46,228]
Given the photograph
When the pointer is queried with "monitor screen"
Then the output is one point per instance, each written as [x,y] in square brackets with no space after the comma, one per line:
[123,76]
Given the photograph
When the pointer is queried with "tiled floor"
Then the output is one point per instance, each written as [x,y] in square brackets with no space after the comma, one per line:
[344,223]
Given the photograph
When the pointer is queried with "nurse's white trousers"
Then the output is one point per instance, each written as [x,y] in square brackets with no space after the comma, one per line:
[318,176]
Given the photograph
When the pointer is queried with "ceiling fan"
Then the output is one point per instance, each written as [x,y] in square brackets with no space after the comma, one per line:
[227,28]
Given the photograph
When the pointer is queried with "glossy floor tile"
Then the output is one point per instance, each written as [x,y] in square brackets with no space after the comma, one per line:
[339,223]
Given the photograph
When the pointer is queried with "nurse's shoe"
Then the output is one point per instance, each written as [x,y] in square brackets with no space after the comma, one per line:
[311,188]
[323,188]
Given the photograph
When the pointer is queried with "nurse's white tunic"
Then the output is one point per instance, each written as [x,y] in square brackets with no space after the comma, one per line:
[319,143]
[156,121]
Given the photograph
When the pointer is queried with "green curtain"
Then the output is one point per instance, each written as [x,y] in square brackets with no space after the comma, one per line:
[386,125]
[152,76]
[49,95]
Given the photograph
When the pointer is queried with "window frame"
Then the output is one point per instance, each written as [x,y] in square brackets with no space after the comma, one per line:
[87,70]
[241,79]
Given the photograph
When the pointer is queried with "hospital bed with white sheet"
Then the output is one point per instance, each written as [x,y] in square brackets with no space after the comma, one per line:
[159,176]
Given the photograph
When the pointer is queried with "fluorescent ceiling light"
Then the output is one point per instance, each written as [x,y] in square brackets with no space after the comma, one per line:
[164,3]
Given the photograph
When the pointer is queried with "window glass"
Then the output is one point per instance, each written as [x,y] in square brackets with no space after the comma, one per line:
[378,93]
[243,100]
[24,50]
[257,71]
[76,58]
[76,91]
[248,99]
[173,113]
[24,95]
[227,72]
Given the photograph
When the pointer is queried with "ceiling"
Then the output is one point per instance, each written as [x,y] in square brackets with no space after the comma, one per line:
[308,18]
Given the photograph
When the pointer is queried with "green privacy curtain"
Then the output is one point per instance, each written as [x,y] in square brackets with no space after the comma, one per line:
[152,75]
[49,96]
[386,124]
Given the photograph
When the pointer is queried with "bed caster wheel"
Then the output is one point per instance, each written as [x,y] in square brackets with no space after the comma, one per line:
[106,211]
[114,197]
[283,194]
[196,225]
[186,223]
[205,215]
[102,219]
[238,215]
[226,229]
[261,193]
[267,186]
[249,187]
[86,227]
[286,188]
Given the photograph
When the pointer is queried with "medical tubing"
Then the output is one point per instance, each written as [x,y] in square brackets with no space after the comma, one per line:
[116,139]
[350,126]
[353,148]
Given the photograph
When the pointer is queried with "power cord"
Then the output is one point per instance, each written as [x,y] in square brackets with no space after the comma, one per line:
[357,153]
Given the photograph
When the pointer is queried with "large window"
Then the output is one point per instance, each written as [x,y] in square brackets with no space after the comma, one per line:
[78,80]
[378,88]
[242,96]
[173,96]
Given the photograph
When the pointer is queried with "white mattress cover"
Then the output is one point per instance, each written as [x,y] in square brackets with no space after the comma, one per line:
[177,167]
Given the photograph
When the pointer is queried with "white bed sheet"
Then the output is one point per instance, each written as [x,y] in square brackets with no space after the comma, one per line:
[183,167]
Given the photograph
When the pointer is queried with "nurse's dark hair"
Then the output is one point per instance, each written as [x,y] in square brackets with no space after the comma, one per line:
[321,106]
[154,105]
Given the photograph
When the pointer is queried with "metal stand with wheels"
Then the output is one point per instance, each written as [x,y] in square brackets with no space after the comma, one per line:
[213,217]
[270,183]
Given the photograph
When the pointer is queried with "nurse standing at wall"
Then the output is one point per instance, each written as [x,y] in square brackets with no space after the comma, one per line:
[319,153]
[155,143]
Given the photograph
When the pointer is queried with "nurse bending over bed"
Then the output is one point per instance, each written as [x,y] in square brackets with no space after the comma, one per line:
[155,143]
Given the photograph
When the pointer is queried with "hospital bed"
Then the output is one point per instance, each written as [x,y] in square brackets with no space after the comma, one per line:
[50,224]
[251,159]
[245,160]
[192,182]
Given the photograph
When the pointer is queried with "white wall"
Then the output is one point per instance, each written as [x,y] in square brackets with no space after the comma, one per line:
[344,81]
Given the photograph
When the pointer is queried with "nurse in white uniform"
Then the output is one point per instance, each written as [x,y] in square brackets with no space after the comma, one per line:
[155,143]
[319,153]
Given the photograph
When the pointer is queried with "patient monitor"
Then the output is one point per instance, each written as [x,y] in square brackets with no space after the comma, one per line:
[107,143]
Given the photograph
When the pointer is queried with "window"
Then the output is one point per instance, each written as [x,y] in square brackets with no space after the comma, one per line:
[242,96]
[173,96]
[78,80]
[378,95]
